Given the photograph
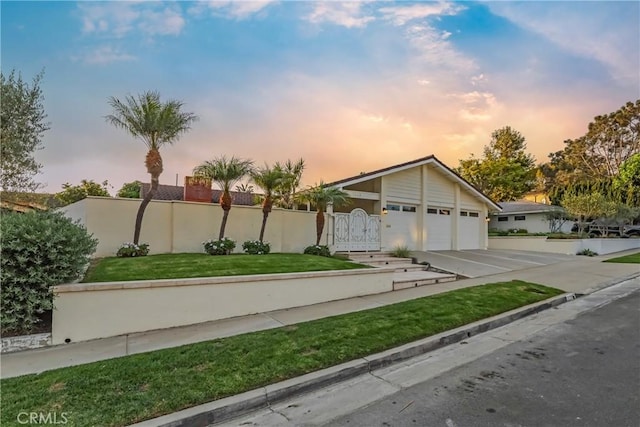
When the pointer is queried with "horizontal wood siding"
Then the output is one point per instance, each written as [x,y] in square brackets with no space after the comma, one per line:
[404,186]
[467,201]
[440,191]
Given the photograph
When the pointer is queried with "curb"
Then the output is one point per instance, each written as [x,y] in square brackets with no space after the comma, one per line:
[235,406]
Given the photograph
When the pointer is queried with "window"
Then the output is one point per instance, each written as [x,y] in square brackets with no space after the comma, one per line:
[393,207]
[408,209]
[464,213]
[503,218]
[474,214]
[432,211]
[445,212]
[520,218]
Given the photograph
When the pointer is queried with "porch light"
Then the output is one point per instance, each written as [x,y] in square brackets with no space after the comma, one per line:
[384,211]
[487,219]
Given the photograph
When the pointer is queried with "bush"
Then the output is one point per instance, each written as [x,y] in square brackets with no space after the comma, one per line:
[518,231]
[131,249]
[587,252]
[39,250]
[319,250]
[223,246]
[401,252]
[256,247]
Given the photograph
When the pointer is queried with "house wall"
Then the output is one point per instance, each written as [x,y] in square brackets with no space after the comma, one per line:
[98,310]
[176,226]
[404,186]
[441,191]
[533,223]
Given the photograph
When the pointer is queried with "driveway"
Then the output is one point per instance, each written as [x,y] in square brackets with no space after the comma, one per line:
[478,262]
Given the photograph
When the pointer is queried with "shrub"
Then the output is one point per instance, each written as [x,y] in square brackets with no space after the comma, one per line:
[320,250]
[518,231]
[587,252]
[127,250]
[401,252]
[256,247]
[223,246]
[39,250]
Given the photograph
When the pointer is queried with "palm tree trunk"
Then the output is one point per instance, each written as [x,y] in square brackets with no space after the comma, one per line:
[143,206]
[319,225]
[264,224]
[223,224]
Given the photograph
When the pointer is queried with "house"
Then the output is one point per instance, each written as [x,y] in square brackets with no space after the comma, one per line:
[176,192]
[421,204]
[530,216]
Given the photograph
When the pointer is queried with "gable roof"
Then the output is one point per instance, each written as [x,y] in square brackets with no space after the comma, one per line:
[413,163]
[176,192]
[525,206]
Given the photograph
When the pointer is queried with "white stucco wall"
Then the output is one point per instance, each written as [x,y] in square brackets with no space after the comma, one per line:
[98,310]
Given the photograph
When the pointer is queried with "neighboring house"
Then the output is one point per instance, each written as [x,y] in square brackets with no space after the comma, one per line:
[526,215]
[175,192]
[421,204]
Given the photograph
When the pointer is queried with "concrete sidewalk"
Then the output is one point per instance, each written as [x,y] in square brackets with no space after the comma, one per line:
[579,275]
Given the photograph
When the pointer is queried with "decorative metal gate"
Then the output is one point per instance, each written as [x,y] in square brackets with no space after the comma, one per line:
[356,231]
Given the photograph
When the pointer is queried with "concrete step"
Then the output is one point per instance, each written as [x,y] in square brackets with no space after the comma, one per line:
[412,279]
[365,255]
[382,262]
[404,268]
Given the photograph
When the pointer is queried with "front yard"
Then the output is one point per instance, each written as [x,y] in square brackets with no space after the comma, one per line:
[188,265]
[125,390]
[627,259]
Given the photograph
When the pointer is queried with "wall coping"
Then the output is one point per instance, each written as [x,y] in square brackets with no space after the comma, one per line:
[197,281]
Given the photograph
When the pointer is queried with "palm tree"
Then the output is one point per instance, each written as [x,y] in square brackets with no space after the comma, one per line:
[268,179]
[224,172]
[321,196]
[156,123]
[292,175]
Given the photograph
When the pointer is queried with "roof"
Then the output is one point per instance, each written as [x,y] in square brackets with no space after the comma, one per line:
[410,164]
[176,192]
[525,206]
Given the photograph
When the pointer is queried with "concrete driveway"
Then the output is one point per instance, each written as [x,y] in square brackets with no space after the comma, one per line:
[478,262]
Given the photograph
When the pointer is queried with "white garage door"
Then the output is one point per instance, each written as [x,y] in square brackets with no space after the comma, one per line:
[469,232]
[439,230]
[401,226]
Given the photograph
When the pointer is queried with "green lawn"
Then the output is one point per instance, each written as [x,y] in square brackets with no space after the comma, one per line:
[121,391]
[175,266]
[627,259]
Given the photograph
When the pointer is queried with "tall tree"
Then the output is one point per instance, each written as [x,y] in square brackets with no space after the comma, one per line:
[224,172]
[268,179]
[610,140]
[73,193]
[156,123]
[321,196]
[506,171]
[23,123]
[291,178]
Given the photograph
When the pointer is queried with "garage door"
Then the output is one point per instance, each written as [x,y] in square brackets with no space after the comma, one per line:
[469,232]
[401,226]
[439,230]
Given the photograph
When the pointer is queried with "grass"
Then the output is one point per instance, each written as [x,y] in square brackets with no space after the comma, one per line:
[627,259]
[175,266]
[121,391]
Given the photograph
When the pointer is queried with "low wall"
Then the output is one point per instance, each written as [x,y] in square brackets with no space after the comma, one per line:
[88,311]
[562,246]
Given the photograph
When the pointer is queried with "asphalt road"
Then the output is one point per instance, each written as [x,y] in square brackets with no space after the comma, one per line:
[584,372]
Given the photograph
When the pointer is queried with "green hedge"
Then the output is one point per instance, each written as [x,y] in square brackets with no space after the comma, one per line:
[39,250]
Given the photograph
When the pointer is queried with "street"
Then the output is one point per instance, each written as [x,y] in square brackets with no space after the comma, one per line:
[583,372]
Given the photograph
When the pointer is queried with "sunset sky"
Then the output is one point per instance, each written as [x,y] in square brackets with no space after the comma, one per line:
[348,86]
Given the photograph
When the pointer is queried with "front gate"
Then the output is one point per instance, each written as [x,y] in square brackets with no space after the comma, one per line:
[356,231]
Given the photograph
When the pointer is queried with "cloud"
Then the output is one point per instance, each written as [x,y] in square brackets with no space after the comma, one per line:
[604,31]
[105,55]
[236,9]
[477,106]
[400,15]
[117,19]
[435,48]
[346,14]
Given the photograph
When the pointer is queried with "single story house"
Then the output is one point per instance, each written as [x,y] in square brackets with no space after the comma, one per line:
[421,204]
[530,216]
